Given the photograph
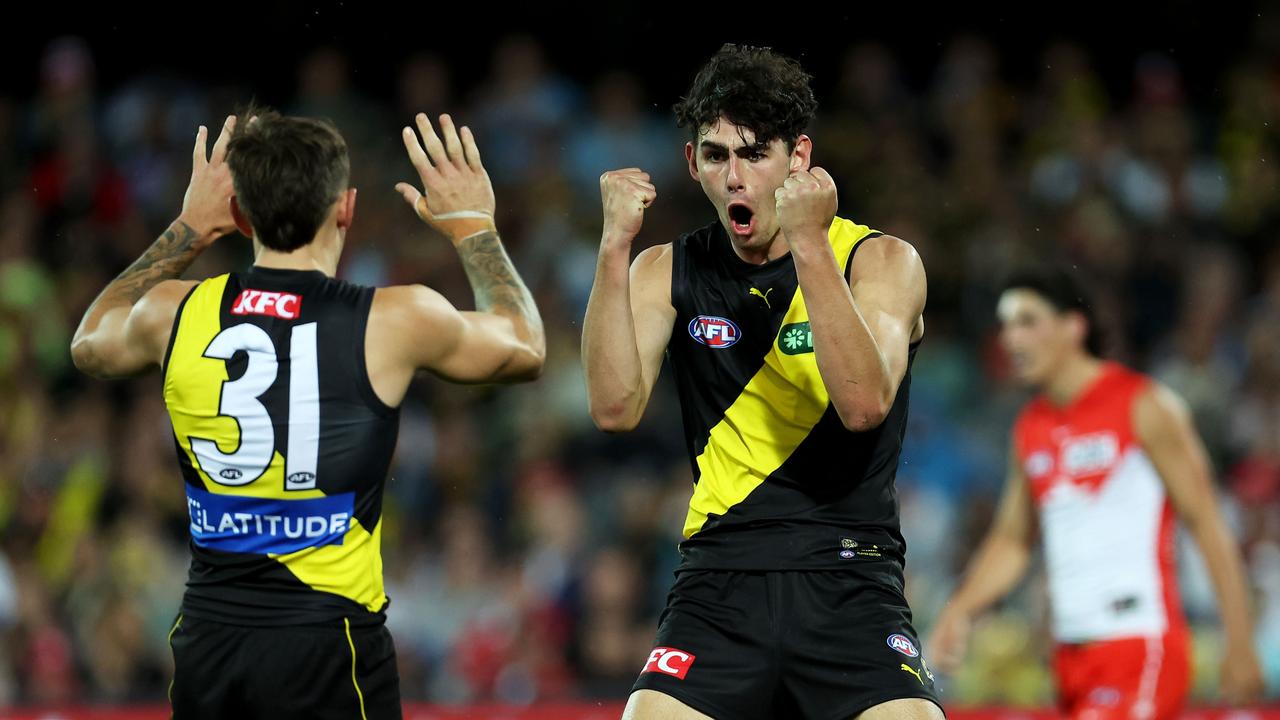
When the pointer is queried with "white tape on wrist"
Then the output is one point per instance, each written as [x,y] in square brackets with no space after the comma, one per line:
[463,215]
[459,241]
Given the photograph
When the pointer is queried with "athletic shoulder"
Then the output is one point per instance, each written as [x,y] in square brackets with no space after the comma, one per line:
[651,274]
[407,302]
[1156,406]
[154,313]
[654,258]
[887,255]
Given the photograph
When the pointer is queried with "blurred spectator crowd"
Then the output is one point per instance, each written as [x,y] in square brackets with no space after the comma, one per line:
[527,554]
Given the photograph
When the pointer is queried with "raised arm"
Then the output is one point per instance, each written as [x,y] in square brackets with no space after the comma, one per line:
[629,315]
[413,327]
[126,329]
[862,329]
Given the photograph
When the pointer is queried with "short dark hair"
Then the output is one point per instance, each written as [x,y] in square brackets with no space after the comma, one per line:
[756,88]
[1066,292]
[287,172]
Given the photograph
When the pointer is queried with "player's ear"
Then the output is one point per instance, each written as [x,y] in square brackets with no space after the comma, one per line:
[242,222]
[801,154]
[690,158]
[346,208]
[1078,327]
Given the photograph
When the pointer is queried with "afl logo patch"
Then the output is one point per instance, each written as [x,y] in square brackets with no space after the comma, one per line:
[712,331]
[902,644]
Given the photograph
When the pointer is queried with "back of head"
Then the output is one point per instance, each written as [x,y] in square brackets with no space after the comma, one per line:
[755,88]
[1066,292]
[287,171]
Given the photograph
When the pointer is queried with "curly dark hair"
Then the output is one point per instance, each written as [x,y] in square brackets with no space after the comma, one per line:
[753,87]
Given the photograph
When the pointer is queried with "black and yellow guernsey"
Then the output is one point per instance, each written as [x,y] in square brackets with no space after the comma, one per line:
[781,484]
[284,447]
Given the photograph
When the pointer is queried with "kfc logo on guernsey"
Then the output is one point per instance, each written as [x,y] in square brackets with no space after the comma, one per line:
[285,306]
[713,331]
[669,661]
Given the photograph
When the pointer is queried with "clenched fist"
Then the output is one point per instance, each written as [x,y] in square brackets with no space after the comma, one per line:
[806,203]
[625,194]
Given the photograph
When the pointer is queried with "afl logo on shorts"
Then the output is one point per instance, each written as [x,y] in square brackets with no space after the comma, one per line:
[902,644]
[712,331]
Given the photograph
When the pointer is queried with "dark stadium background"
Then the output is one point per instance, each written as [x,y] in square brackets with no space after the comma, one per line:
[521,572]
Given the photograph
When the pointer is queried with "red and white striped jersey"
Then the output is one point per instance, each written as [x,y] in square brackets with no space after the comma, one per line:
[1107,523]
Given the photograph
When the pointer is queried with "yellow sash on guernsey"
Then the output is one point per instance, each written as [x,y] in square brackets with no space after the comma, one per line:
[775,412]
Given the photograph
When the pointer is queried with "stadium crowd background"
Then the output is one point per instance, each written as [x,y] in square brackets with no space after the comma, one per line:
[527,554]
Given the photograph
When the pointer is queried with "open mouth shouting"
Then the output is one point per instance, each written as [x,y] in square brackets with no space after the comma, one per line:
[742,219]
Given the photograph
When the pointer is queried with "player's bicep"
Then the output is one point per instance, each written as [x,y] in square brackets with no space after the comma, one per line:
[483,349]
[419,325]
[888,286]
[129,340]
[652,312]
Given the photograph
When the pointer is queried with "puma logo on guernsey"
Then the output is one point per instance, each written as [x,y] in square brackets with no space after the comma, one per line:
[762,295]
[275,304]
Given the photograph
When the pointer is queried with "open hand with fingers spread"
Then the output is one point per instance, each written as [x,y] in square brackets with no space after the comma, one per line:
[457,196]
[206,206]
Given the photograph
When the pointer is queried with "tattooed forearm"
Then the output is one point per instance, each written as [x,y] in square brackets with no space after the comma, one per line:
[99,346]
[167,258]
[494,281]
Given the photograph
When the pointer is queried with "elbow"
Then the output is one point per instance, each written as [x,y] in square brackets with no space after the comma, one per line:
[84,356]
[526,366]
[533,361]
[613,425]
[863,416]
[534,358]
[612,417]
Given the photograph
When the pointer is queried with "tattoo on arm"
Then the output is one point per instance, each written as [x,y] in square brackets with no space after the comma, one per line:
[497,286]
[167,258]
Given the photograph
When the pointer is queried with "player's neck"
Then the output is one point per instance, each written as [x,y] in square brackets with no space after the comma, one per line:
[320,254]
[1074,377]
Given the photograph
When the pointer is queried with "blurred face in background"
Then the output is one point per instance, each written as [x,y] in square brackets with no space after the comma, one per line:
[1038,337]
[740,176]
